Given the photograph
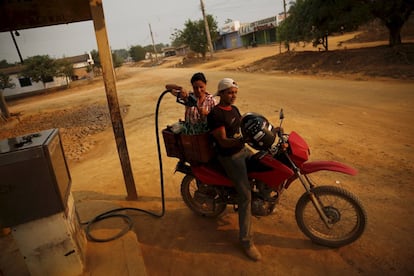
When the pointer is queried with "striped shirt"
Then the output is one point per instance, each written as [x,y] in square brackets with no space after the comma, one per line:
[194,115]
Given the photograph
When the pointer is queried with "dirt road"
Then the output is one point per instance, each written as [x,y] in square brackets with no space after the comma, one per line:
[367,124]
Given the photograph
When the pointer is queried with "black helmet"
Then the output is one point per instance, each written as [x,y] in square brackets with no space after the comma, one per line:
[257,131]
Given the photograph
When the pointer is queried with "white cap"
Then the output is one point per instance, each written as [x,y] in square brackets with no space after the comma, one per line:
[225,84]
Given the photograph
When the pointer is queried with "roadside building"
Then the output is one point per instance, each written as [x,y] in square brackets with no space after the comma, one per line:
[229,37]
[24,85]
[169,51]
[259,32]
[82,66]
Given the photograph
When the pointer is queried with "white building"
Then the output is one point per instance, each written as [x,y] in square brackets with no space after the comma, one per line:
[24,85]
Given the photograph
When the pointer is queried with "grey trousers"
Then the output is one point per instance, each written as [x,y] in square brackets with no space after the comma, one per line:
[235,167]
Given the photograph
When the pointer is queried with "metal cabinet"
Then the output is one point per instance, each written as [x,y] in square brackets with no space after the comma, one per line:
[34,177]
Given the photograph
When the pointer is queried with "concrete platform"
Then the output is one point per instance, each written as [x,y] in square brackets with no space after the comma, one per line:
[121,256]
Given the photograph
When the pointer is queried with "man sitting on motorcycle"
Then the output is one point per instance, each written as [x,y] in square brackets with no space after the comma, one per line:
[224,123]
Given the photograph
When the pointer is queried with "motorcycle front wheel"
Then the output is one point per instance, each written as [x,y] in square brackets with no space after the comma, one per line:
[201,198]
[346,215]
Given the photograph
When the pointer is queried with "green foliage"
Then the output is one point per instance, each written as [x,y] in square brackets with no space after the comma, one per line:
[118,57]
[5,81]
[393,14]
[314,20]
[41,68]
[96,59]
[194,35]
[117,60]
[177,38]
[137,53]
[193,129]
[296,27]
[121,53]
[5,64]
[89,68]
[65,68]
[158,48]
[96,67]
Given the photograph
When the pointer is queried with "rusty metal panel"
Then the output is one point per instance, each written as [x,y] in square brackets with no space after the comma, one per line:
[34,177]
[25,14]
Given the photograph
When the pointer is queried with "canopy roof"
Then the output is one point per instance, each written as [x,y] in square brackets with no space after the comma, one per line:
[25,14]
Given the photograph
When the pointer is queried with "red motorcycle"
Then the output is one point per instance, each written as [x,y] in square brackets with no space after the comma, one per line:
[328,215]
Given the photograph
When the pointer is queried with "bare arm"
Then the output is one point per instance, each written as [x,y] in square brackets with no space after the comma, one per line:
[175,89]
[220,135]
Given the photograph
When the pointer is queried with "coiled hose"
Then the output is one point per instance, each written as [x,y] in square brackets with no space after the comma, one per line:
[114,213]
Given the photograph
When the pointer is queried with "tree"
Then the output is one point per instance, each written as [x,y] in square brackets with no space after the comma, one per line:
[65,69]
[117,60]
[194,35]
[137,53]
[158,48]
[315,20]
[296,27]
[41,68]
[4,64]
[96,62]
[121,53]
[5,82]
[177,38]
[96,59]
[393,14]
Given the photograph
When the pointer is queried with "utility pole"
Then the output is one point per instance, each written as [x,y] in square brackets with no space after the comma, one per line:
[153,44]
[284,9]
[210,45]
[17,47]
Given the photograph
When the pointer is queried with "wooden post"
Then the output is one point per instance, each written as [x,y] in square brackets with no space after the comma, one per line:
[153,45]
[105,56]
[17,47]
[210,45]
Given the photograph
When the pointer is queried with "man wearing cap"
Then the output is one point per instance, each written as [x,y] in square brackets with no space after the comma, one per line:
[224,122]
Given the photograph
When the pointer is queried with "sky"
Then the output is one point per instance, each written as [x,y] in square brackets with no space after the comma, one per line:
[128,24]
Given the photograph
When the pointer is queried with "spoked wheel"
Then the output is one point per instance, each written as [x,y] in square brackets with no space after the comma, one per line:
[345,213]
[201,198]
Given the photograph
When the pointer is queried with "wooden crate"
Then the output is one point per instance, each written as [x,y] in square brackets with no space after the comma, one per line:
[191,148]
[172,144]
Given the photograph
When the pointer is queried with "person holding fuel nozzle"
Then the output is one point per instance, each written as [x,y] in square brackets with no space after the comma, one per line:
[223,121]
[197,103]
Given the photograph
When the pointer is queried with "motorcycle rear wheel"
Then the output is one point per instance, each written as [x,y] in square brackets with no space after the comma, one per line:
[347,217]
[201,198]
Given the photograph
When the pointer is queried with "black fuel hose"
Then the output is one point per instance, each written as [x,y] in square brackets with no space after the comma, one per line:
[115,212]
